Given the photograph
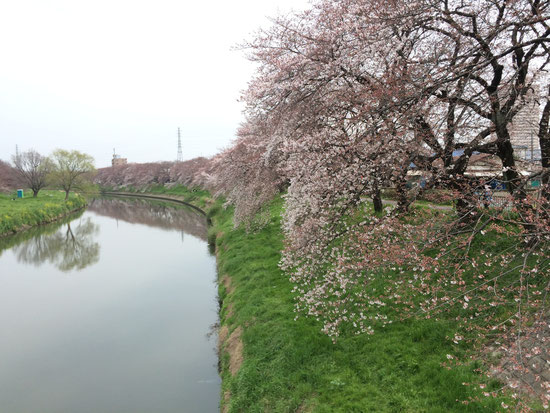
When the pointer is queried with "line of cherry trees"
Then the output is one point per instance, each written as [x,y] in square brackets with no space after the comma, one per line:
[351,96]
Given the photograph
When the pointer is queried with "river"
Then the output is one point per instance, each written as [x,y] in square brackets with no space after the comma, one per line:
[110,310]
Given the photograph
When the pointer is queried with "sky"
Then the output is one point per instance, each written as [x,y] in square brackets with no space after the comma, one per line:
[125,74]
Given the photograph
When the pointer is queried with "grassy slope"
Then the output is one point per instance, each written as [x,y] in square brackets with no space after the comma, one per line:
[46,207]
[291,366]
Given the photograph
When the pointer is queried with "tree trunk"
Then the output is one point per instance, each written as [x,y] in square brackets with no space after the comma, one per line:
[505,152]
[34,193]
[401,190]
[377,201]
[466,202]
[544,141]
[66,195]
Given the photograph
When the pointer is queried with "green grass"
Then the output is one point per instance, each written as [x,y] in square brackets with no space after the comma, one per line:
[289,365]
[17,213]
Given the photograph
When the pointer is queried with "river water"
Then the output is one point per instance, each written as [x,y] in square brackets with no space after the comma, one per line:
[109,311]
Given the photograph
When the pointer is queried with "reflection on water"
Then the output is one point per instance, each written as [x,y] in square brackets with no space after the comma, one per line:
[152,213]
[18,238]
[72,247]
[70,244]
[129,334]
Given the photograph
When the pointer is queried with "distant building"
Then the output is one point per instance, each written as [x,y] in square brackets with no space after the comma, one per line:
[117,160]
[524,129]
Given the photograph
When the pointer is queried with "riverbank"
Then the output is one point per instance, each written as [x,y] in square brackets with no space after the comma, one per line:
[271,362]
[19,214]
[155,198]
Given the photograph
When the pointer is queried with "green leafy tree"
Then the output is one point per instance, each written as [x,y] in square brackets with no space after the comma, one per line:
[72,169]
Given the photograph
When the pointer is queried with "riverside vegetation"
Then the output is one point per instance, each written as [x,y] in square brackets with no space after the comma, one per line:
[273,361]
[446,88]
[21,213]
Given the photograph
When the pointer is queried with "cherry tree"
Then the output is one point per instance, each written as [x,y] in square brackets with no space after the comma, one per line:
[352,96]
[8,176]
[135,174]
[359,92]
[186,172]
[248,173]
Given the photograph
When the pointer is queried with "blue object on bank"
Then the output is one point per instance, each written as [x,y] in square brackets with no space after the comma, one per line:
[19,193]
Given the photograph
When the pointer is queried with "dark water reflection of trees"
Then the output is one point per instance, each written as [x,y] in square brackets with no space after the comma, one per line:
[152,213]
[68,244]
[16,239]
[72,247]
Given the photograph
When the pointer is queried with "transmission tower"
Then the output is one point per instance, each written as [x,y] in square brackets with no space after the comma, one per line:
[180,153]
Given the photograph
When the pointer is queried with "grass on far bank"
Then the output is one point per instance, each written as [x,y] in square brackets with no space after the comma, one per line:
[18,213]
[195,196]
[290,366]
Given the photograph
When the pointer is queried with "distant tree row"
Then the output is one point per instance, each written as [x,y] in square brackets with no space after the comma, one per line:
[63,169]
[143,174]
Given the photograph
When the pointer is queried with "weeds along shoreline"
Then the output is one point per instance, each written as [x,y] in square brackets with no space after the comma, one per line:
[20,214]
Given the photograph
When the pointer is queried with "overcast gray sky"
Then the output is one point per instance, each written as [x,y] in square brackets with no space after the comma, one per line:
[104,74]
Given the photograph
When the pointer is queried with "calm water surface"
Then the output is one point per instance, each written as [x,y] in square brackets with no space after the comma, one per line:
[109,312]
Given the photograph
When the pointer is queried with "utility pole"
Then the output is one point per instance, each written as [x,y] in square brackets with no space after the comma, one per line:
[180,152]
